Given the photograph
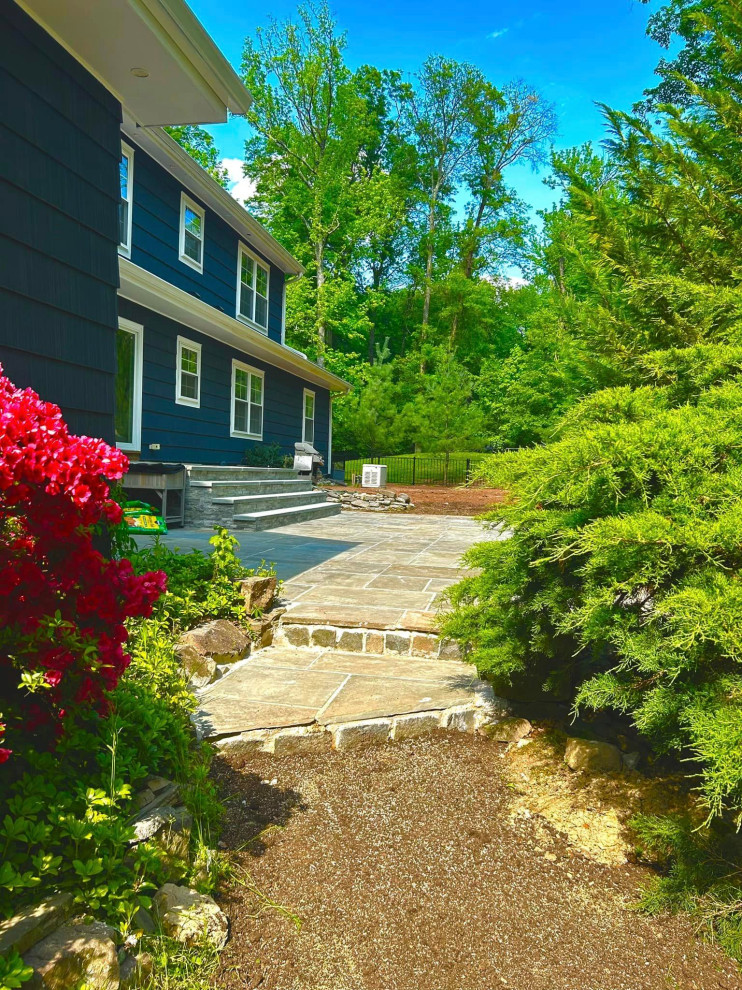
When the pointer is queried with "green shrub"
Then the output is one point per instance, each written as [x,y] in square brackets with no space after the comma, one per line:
[266,455]
[200,586]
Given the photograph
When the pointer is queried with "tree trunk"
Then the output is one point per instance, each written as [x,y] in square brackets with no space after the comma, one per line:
[319,257]
[469,259]
[429,261]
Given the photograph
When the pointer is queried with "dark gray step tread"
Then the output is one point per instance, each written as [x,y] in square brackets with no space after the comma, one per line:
[247,482]
[232,499]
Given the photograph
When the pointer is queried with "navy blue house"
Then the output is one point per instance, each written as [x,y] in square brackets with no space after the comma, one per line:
[135,292]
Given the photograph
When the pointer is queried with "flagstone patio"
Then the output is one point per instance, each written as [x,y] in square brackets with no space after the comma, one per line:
[375,581]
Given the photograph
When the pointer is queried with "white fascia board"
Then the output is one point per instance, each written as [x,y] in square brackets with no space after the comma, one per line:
[185,30]
[196,180]
[146,289]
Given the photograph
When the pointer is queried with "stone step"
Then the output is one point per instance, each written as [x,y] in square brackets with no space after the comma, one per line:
[286,700]
[273,518]
[366,629]
[258,486]
[275,500]
[221,472]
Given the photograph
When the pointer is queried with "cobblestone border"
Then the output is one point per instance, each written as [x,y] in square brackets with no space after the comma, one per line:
[394,642]
[308,739]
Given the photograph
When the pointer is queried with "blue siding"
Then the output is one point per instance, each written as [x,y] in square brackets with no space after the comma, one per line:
[60,135]
[202,435]
[155,243]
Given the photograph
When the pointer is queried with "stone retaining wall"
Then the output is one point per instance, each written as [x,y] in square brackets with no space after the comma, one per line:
[378,500]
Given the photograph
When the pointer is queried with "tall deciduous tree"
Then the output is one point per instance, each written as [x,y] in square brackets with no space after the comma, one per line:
[439,115]
[310,120]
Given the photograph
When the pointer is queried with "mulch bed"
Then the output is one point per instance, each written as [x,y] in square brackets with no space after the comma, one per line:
[409,872]
[435,500]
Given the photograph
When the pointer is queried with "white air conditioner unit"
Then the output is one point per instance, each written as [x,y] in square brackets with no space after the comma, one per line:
[374,476]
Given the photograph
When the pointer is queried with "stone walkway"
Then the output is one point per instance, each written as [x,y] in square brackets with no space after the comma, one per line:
[358,642]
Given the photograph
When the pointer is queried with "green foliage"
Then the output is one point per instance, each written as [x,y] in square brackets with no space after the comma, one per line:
[13,972]
[199,585]
[64,816]
[200,146]
[266,455]
[701,875]
[619,585]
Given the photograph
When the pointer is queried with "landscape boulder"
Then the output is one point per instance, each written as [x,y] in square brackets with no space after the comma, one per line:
[258,593]
[509,730]
[190,917]
[33,923]
[592,756]
[74,955]
[221,640]
[201,670]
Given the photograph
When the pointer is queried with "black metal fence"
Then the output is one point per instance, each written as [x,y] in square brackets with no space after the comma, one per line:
[410,469]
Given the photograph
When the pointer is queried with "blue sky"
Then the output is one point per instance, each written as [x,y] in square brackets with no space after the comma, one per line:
[577,52]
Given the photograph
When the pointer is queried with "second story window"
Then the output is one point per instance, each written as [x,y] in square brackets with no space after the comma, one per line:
[188,373]
[191,233]
[252,289]
[126,176]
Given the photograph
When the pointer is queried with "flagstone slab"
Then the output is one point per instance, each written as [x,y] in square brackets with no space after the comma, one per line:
[230,716]
[284,656]
[371,665]
[364,596]
[426,620]
[395,582]
[424,570]
[253,682]
[378,697]
[349,616]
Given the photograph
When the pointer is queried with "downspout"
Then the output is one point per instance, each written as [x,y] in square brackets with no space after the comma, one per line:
[329,441]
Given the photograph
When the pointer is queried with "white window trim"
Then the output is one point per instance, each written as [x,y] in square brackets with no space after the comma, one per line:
[252,371]
[184,400]
[136,427]
[128,152]
[244,249]
[283,313]
[308,391]
[182,256]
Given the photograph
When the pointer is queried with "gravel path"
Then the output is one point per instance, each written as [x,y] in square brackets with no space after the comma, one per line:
[408,872]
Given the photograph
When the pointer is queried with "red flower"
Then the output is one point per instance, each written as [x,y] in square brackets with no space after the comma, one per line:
[63,602]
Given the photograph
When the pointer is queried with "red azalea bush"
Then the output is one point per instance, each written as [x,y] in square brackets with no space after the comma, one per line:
[62,603]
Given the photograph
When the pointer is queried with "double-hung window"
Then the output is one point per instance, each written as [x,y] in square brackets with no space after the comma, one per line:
[126,176]
[307,434]
[191,233]
[188,373]
[248,397]
[253,276]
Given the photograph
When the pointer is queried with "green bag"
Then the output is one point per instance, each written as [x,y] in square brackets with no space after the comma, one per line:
[142,518]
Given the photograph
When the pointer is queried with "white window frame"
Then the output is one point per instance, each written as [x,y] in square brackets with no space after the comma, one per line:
[127,152]
[251,371]
[185,400]
[186,201]
[136,425]
[308,391]
[244,249]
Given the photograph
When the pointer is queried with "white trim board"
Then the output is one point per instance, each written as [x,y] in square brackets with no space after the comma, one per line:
[136,427]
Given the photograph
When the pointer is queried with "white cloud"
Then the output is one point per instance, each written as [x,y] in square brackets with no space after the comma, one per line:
[498,34]
[240,186]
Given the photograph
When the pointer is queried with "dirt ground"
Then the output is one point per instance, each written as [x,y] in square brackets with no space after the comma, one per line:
[435,500]
[409,867]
